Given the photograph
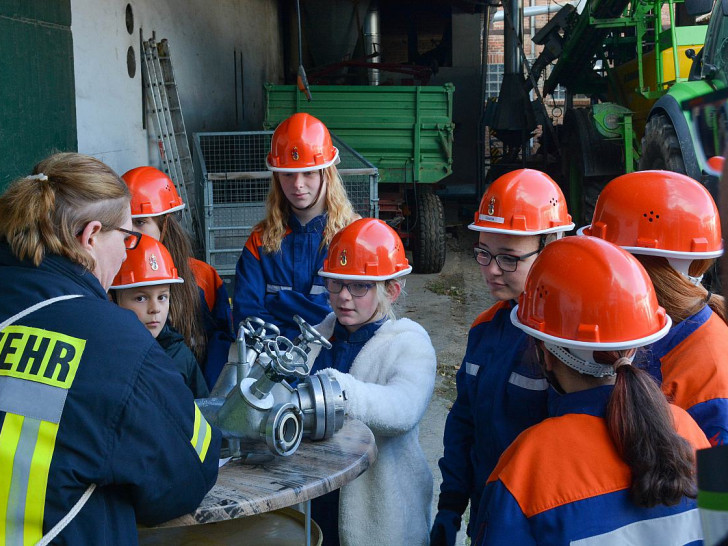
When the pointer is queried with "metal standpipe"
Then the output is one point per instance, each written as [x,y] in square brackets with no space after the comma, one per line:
[253,403]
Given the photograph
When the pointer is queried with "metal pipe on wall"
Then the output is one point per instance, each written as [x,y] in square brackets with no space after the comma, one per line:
[372,41]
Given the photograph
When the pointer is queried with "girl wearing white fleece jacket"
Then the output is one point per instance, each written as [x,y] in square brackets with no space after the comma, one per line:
[387,369]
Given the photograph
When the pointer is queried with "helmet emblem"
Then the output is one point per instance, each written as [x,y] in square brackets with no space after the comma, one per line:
[342,257]
[153,262]
[491,206]
[294,153]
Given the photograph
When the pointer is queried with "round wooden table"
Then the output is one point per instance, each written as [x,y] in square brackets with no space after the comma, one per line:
[313,470]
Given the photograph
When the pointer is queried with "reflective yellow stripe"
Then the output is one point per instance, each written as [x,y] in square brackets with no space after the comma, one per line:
[196,426]
[38,481]
[37,367]
[9,437]
[206,442]
[23,482]
[201,434]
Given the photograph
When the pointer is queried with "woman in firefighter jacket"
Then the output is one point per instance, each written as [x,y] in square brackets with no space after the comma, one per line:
[89,402]
[200,310]
[500,388]
[614,463]
[386,367]
[276,275]
[670,223]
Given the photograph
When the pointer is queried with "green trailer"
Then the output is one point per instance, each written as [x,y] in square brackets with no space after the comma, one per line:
[406,132]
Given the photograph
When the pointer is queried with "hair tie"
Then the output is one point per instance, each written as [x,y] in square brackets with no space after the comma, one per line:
[622,361]
[40,176]
[708,296]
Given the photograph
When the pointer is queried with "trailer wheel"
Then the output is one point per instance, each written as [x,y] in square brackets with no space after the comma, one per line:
[660,146]
[428,250]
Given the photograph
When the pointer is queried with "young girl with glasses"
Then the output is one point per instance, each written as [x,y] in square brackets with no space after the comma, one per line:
[500,389]
[386,366]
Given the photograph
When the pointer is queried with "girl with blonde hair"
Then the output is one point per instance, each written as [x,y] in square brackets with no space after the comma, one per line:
[276,275]
[386,366]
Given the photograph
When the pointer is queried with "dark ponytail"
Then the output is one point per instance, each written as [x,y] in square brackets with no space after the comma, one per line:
[641,425]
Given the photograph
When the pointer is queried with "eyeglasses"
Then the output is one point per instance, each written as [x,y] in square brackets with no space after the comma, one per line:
[131,241]
[507,262]
[356,289]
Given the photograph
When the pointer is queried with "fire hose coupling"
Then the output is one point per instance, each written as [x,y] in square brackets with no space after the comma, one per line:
[284,429]
[253,404]
[321,400]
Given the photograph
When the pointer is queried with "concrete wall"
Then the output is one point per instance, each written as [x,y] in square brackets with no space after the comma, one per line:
[203,39]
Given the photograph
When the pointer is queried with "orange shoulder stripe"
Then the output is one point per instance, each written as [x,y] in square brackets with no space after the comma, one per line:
[571,458]
[559,461]
[207,278]
[488,314]
[697,370]
[688,428]
[254,243]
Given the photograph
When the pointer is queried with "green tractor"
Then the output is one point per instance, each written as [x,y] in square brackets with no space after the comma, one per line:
[637,71]
[669,139]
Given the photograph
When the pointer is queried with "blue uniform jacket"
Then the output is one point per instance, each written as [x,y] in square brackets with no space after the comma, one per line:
[691,364]
[277,286]
[563,481]
[501,391]
[91,397]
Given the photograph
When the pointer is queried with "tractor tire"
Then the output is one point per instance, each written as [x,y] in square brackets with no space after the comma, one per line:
[428,251]
[661,147]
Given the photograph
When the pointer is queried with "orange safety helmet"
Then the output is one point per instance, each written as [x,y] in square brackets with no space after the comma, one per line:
[585,294]
[658,213]
[148,264]
[301,143]
[152,192]
[523,202]
[367,249]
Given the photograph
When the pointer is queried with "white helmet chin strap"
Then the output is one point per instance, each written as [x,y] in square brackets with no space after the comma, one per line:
[682,266]
[581,360]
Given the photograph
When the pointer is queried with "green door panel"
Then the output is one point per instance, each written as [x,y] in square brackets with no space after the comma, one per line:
[37,92]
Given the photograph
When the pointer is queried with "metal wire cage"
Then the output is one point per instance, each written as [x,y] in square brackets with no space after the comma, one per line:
[235,184]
